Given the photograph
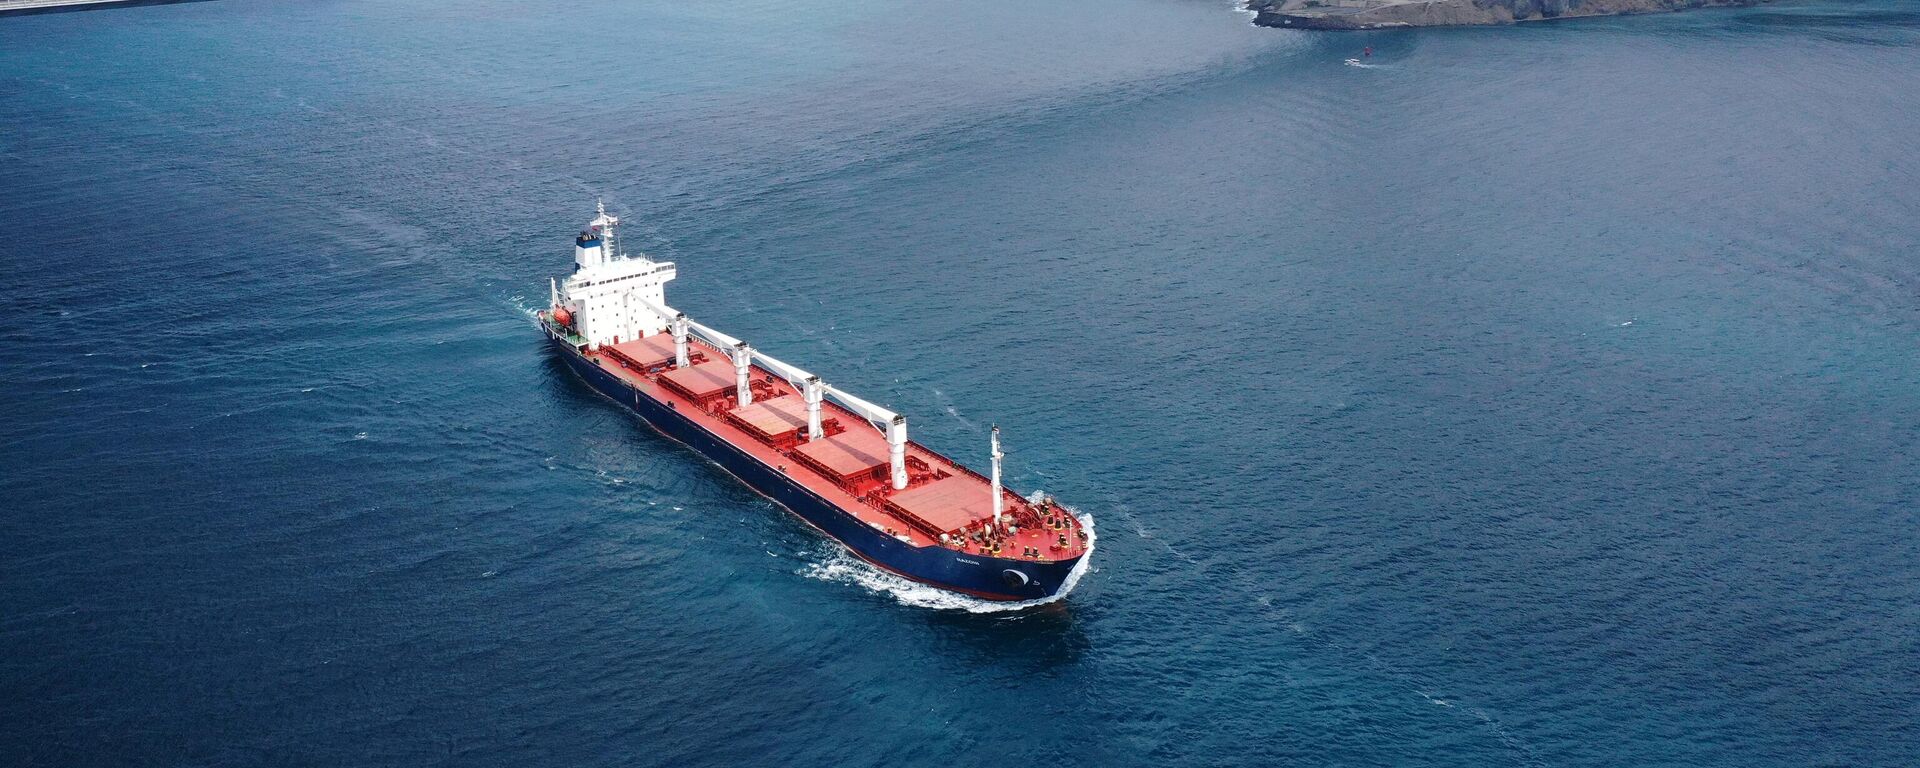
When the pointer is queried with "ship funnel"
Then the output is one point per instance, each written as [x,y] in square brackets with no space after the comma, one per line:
[597,244]
[897,449]
[588,250]
[999,504]
[816,392]
[743,380]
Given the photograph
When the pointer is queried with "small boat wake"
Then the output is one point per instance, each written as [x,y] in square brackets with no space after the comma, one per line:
[836,564]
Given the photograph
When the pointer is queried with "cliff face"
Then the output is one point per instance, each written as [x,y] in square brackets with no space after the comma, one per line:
[1379,14]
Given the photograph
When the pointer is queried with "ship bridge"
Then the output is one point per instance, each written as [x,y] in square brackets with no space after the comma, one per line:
[609,293]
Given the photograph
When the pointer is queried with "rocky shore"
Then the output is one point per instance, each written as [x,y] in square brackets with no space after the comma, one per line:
[1384,14]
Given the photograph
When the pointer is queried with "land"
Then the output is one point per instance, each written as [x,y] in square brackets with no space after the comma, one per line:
[1385,14]
[22,7]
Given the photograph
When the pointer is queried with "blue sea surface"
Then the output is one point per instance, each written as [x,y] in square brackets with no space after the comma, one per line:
[1545,395]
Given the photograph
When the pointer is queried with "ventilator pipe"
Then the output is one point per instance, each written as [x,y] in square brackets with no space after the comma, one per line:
[816,392]
[742,360]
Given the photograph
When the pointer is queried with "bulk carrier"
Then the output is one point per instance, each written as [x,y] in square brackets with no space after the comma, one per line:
[840,463]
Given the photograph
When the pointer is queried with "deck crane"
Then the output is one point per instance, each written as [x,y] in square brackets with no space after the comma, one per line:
[890,424]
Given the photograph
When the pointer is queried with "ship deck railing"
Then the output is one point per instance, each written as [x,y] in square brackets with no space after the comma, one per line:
[564,332]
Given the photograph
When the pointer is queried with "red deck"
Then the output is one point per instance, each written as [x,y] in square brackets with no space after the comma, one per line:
[777,421]
[781,414]
[941,498]
[946,505]
[702,381]
[849,453]
[645,353]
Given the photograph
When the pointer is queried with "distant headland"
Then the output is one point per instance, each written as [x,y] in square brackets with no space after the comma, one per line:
[24,7]
[1385,14]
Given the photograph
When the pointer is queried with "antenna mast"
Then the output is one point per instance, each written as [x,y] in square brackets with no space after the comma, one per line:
[612,224]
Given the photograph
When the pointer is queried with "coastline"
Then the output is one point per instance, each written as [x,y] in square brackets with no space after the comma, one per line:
[27,7]
[1391,14]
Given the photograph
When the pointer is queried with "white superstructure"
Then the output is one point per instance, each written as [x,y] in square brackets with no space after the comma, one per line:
[610,294]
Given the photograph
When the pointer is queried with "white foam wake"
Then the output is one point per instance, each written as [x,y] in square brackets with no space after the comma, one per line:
[525,307]
[835,564]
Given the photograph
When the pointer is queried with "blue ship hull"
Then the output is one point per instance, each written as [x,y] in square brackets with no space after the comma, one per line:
[981,576]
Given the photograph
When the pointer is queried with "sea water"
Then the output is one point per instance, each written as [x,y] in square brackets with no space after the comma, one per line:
[1540,395]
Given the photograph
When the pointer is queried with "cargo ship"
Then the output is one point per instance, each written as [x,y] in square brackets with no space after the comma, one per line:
[841,463]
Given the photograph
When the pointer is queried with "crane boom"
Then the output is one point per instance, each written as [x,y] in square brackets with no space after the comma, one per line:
[717,338]
[793,375]
[878,416]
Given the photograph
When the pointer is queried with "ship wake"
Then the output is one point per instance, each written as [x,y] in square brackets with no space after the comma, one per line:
[836,564]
